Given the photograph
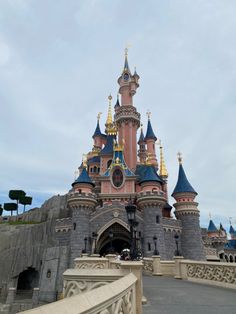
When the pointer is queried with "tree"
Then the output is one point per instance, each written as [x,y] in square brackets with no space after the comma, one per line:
[16,195]
[25,200]
[1,209]
[10,207]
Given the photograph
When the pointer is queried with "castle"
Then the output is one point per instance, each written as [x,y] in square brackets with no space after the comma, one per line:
[91,218]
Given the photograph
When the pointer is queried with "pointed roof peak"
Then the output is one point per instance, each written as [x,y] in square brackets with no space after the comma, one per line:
[97,131]
[83,178]
[183,185]
[126,64]
[150,175]
[150,134]
[141,137]
[117,102]
[212,226]
[163,170]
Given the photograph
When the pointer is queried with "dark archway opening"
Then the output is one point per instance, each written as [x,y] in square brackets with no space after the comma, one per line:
[120,240]
[27,281]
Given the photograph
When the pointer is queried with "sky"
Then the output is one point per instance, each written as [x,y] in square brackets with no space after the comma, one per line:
[59,61]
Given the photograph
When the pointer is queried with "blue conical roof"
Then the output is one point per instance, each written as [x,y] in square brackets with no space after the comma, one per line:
[150,175]
[183,185]
[141,137]
[97,131]
[212,227]
[150,134]
[83,178]
[231,229]
[117,103]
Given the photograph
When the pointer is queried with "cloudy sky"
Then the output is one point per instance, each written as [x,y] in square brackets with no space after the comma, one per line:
[59,60]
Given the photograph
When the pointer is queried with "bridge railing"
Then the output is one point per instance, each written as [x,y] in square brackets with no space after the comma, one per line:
[214,273]
[115,297]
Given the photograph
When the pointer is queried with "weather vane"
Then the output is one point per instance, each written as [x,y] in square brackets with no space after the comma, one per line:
[148,113]
[180,158]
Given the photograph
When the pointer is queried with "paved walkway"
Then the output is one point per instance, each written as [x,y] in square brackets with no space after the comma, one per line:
[166,295]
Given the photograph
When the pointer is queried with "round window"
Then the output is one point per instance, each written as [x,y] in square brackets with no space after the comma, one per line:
[117,178]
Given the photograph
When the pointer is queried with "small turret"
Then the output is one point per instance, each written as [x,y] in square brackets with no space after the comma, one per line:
[142,153]
[97,135]
[150,140]
[83,183]
[186,210]
[212,231]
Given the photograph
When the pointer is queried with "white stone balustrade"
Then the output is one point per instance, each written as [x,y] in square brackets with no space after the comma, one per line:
[116,297]
[91,263]
[214,273]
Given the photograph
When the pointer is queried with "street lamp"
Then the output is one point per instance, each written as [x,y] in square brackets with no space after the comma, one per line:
[177,253]
[95,236]
[155,244]
[111,237]
[131,210]
[85,245]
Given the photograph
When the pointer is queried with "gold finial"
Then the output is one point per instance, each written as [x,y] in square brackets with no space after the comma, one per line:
[109,116]
[110,125]
[85,161]
[180,158]
[148,159]
[99,115]
[163,170]
[148,114]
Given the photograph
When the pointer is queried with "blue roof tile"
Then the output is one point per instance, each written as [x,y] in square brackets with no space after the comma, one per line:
[94,159]
[231,229]
[212,227]
[83,178]
[141,137]
[108,148]
[97,131]
[183,185]
[150,134]
[148,174]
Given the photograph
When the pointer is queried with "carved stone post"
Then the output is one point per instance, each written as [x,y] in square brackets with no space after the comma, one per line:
[35,298]
[156,265]
[178,274]
[136,269]
[11,295]
[111,258]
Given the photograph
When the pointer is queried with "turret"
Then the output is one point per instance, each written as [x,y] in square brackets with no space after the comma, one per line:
[98,137]
[150,140]
[186,210]
[81,200]
[151,201]
[212,231]
[142,153]
[127,119]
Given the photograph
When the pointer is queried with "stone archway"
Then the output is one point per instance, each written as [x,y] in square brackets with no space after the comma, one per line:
[27,281]
[119,241]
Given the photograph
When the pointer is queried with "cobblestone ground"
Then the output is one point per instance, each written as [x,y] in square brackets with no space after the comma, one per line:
[166,295]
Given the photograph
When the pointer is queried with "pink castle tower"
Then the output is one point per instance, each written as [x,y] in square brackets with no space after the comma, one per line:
[127,118]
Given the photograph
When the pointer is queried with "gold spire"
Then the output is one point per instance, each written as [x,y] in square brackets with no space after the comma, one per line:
[180,158]
[163,170]
[110,126]
[85,159]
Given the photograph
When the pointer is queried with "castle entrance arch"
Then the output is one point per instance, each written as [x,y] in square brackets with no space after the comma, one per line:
[27,280]
[114,239]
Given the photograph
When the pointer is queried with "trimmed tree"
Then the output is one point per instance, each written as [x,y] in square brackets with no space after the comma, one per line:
[26,200]
[10,207]
[16,195]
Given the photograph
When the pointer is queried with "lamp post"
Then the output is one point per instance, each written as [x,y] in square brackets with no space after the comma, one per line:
[111,237]
[177,253]
[95,236]
[85,245]
[131,210]
[155,244]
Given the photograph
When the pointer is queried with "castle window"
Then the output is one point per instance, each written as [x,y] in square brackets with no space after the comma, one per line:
[80,191]
[149,246]
[95,169]
[91,169]
[74,225]
[98,169]
[117,178]
[157,219]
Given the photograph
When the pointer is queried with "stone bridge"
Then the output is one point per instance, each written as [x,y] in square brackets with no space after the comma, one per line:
[107,286]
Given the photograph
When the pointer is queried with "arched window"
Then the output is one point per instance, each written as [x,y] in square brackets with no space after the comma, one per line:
[74,225]
[95,169]
[149,246]
[157,219]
